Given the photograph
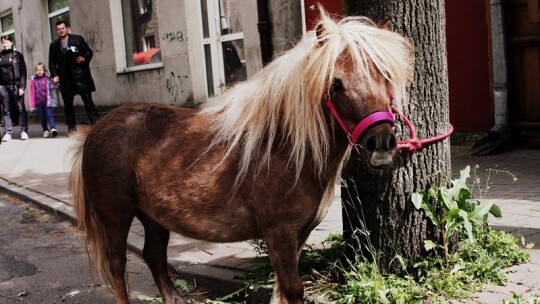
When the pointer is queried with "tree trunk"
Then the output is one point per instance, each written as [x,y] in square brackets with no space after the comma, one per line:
[379,201]
[286,24]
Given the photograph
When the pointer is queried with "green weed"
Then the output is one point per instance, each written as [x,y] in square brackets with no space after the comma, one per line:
[481,257]
[516,299]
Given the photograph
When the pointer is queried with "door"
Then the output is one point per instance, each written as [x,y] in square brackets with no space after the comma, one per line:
[223,41]
[523,43]
[469,65]
[311,13]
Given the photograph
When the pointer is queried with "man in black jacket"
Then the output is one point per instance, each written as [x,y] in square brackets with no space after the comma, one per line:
[69,59]
[12,85]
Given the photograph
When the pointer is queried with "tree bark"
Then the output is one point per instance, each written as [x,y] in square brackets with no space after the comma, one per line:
[286,24]
[379,201]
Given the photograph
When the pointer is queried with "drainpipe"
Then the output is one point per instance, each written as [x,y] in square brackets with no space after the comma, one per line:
[265,31]
[500,133]
[500,78]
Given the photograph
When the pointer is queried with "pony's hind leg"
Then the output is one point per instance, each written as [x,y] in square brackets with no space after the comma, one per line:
[156,239]
[117,265]
[116,231]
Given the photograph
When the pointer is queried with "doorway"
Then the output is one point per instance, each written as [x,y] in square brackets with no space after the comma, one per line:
[223,43]
[523,44]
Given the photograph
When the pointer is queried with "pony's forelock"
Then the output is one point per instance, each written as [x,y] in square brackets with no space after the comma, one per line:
[282,103]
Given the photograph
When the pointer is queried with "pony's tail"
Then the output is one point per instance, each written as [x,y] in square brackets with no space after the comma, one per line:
[88,221]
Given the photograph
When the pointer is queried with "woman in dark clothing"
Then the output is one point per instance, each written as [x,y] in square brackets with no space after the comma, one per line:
[69,59]
[12,85]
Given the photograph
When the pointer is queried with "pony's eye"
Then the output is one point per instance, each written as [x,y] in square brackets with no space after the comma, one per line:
[337,85]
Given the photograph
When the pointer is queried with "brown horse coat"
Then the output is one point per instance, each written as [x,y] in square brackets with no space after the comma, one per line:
[260,164]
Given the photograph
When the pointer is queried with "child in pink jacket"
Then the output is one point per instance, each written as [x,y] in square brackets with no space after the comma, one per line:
[40,98]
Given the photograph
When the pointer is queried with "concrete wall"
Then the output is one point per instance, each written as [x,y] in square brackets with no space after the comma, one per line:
[179,79]
[169,83]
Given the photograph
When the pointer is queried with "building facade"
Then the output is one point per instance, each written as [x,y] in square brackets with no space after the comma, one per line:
[185,52]
[168,51]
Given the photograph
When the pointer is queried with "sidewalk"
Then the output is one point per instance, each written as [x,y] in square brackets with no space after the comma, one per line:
[38,170]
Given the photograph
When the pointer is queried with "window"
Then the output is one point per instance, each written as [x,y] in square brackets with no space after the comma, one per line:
[223,42]
[58,10]
[140,32]
[145,6]
[149,42]
[6,26]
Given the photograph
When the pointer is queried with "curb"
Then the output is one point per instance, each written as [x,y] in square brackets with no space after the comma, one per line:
[60,209]
[222,281]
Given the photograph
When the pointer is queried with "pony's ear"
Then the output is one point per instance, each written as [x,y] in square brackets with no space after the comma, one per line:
[319,30]
[384,23]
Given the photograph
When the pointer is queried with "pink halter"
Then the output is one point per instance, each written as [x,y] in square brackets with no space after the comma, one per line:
[364,124]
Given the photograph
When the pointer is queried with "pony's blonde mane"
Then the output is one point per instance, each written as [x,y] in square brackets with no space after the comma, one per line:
[283,103]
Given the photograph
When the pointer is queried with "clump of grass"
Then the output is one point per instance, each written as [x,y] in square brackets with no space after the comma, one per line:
[481,257]
[471,266]
[516,299]
[329,277]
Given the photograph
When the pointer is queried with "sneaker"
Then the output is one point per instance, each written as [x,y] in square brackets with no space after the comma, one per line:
[54,132]
[24,135]
[7,137]
[71,132]
[46,133]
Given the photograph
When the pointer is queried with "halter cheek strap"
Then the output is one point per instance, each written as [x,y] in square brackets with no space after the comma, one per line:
[364,124]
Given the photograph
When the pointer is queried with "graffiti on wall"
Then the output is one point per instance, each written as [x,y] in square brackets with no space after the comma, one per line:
[94,39]
[175,84]
[171,36]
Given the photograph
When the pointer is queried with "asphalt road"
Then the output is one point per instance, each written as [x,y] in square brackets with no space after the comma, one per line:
[42,260]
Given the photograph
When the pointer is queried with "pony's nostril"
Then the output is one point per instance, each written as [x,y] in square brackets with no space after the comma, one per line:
[379,139]
[392,142]
[382,143]
[371,143]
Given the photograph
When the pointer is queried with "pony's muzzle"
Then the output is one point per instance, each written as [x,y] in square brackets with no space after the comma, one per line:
[380,142]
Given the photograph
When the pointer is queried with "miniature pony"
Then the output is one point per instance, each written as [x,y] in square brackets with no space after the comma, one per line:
[261,164]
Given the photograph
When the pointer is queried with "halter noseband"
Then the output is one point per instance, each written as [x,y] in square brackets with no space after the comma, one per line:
[362,125]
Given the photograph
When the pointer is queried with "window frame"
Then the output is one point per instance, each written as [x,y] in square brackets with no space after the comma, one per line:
[119,42]
[10,31]
[51,15]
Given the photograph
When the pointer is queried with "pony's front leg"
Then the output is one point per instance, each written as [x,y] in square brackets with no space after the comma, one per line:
[283,252]
[156,239]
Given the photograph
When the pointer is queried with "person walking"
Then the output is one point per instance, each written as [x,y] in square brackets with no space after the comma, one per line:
[40,98]
[12,86]
[69,59]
